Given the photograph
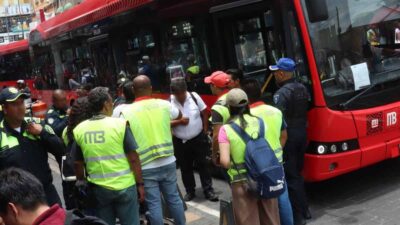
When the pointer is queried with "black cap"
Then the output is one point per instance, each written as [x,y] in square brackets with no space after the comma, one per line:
[11,94]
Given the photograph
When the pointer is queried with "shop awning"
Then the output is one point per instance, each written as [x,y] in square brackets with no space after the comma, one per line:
[89,11]
[13,47]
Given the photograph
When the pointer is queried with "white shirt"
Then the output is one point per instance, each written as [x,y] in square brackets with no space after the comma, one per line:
[192,111]
[174,113]
[118,110]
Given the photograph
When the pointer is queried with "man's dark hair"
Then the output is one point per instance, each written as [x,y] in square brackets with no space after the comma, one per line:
[236,74]
[127,90]
[20,188]
[79,112]
[97,97]
[252,88]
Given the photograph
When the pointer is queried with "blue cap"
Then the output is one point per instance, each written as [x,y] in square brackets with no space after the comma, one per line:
[11,94]
[285,64]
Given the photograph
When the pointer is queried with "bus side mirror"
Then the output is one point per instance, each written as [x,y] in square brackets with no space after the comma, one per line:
[317,10]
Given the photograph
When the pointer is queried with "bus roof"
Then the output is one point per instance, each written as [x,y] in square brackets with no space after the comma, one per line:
[17,46]
[85,13]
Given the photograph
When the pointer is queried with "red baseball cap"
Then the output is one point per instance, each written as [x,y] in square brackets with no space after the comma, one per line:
[218,78]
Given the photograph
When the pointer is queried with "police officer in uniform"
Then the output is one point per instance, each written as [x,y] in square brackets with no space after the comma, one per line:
[293,99]
[26,142]
[56,116]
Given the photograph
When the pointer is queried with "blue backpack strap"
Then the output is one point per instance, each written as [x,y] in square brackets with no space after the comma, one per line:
[262,127]
[245,137]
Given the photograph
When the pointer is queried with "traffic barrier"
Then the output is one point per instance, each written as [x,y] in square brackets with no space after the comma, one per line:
[39,109]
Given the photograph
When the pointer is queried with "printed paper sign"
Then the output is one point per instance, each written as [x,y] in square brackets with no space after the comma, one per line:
[360,76]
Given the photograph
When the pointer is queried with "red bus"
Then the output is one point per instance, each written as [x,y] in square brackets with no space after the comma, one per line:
[347,54]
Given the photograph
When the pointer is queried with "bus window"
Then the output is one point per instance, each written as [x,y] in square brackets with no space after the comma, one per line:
[184,51]
[249,45]
[356,51]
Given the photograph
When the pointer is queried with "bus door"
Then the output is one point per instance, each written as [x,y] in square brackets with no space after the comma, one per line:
[249,37]
[103,59]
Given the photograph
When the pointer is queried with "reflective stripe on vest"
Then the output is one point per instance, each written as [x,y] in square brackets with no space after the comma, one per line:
[221,108]
[272,118]
[150,121]
[102,142]
[110,175]
[238,147]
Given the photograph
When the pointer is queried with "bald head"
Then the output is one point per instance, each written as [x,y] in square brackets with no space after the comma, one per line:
[142,86]
[60,99]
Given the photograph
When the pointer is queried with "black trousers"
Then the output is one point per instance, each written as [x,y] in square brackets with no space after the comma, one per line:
[188,153]
[52,195]
[68,192]
[293,154]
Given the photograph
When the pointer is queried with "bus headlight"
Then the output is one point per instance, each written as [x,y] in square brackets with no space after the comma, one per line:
[333,148]
[345,146]
[321,149]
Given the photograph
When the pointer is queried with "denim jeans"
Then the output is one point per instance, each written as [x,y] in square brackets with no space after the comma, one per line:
[163,179]
[285,209]
[122,204]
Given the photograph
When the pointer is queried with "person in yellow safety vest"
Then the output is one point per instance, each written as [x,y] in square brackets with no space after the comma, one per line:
[248,209]
[150,122]
[105,148]
[219,84]
[276,137]
[79,112]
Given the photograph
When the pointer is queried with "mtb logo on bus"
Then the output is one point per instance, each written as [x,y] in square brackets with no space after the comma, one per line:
[391,119]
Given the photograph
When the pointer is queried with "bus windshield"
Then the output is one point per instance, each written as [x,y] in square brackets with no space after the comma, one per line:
[357,47]
[14,66]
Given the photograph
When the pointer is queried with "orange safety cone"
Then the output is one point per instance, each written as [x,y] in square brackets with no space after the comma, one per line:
[39,109]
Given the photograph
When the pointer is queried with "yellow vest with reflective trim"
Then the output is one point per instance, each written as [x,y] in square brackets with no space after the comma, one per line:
[9,141]
[221,107]
[238,147]
[272,118]
[65,137]
[150,123]
[195,70]
[102,144]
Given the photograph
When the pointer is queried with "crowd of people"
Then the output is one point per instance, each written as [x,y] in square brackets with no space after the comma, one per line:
[119,157]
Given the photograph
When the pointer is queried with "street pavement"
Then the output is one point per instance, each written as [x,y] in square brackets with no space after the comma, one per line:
[370,196]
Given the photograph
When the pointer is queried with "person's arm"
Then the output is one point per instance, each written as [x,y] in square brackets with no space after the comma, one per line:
[284,136]
[53,144]
[217,122]
[224,147]
[203,110]
[56,123]
[215,145]
[79,164]
[205,121]
[180,121]
[130,147]
[175,113]
[280,102]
